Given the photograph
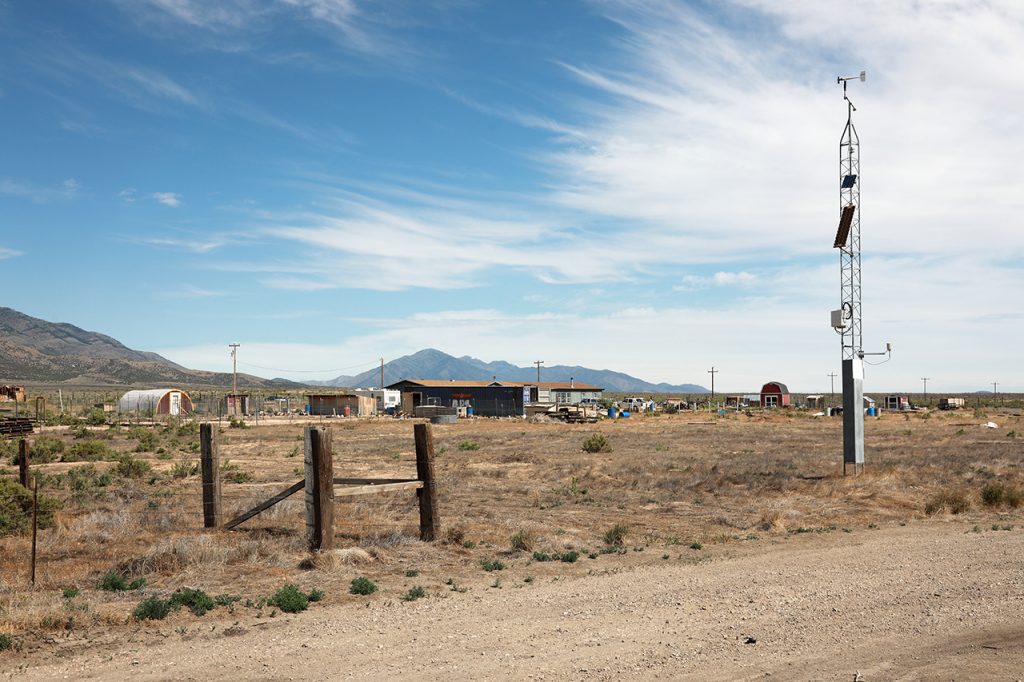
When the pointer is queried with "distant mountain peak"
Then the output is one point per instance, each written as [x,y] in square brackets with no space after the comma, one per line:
[431,363]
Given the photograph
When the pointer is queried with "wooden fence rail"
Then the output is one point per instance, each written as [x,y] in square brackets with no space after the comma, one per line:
[322,487]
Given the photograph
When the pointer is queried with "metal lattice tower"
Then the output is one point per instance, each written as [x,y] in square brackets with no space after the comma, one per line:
[849,255]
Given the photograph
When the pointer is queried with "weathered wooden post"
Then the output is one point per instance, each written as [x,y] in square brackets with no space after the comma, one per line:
[429,524]
[23,462]
[319,489]
[209,457]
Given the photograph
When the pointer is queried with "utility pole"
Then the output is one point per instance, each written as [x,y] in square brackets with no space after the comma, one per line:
[832,394]
[538,363]
[234,367]
[713,372]
[925,380]
[995,385]
[382,373]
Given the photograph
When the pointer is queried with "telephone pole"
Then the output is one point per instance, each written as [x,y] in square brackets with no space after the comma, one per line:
[234,367]
[995,385]
[538,363]
[925,380]
[713,372]
[382,373]
[832,394]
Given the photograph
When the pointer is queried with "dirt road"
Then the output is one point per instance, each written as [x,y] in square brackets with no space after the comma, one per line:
[925,601]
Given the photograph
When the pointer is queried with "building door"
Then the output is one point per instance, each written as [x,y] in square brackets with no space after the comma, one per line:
[175,409]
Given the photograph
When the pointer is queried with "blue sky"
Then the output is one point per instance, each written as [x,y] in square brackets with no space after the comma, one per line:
[645,186]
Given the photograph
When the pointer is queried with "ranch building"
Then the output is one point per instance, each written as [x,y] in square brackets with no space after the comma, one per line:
[492,398]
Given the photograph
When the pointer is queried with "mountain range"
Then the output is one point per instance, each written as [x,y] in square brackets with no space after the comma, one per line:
[34,350]
[55,352]
[434,364]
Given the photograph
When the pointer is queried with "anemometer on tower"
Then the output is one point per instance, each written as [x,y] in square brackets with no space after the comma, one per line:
[846,320]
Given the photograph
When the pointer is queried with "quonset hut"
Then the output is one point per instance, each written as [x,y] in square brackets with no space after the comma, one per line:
[156,401]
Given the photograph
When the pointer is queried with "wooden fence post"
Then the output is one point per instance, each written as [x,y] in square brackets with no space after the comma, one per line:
[23,462]
[209,457]
[319,489]
[429,524]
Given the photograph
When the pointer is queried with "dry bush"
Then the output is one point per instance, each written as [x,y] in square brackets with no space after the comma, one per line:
[336,559]
[772,521]
[953,501]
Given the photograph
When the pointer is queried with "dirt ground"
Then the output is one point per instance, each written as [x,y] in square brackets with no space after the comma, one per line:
[732,527]
[927,601]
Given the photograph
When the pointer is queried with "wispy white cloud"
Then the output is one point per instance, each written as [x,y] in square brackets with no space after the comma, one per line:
[128,195]
[357,27]
[171,199]
[203,244]
[69,189]
[9,253]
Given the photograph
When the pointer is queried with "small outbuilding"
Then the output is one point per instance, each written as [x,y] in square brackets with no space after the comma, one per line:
[897,402]
[155,402]
[341,405]
[815,401]
[12,393]
[235,405]
[774,394]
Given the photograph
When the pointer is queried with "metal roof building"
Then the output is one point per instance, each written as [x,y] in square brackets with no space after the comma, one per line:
[156,401]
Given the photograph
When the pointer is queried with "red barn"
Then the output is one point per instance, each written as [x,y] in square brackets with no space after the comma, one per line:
[774,394]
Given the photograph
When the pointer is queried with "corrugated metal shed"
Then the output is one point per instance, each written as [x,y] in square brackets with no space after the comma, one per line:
[172,401]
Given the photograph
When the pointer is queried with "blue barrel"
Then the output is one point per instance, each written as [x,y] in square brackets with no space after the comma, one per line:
[624,415]
[872,412]
[469,411]
[612,412]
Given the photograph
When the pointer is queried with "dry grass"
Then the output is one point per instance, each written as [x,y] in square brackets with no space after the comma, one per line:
[528,487]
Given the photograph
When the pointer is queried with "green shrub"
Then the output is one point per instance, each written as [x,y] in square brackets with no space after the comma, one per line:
[597,443]
[88,451]
[129,467]
[6,642]
[232,472]
[70,592]
[494,565]
[696,545]
[45,449]
[197,601]
[289,599]
[541,556]
[16,508]
[993,495]
[112,581]
[237,424]
[153,608]
[226,599]
[414,593]
[469,445]
[362,586]
[97,417]
[185,468]
[615,535]
[148,441]
[524,540]
[315,595]
[569,557]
